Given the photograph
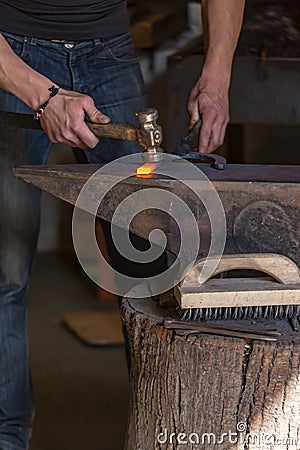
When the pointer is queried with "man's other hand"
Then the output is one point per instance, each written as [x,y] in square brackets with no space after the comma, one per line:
[210,102]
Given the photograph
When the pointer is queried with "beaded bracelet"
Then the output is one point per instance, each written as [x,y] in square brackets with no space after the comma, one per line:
[40,111]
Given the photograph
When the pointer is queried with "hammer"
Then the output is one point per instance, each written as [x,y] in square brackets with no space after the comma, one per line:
[148,134]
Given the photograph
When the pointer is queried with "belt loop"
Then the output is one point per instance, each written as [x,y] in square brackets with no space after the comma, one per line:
[30,40]
[97,41]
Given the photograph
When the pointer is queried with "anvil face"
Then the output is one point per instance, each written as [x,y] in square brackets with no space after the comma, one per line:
[261,203]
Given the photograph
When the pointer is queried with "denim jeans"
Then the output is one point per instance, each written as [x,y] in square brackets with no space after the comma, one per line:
[108,71]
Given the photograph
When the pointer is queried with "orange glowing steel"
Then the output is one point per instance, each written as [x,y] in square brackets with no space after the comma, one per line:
[145,169]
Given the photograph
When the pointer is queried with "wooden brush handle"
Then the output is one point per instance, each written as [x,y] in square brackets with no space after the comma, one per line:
[279,267]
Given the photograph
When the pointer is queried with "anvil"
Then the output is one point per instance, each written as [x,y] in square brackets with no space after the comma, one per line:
[261,203]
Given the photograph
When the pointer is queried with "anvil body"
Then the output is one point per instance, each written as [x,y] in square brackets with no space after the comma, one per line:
[261,203]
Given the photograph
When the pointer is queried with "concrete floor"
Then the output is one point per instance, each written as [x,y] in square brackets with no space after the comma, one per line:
[81,392]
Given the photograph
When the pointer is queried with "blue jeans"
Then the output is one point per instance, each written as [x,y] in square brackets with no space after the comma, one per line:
[108,71]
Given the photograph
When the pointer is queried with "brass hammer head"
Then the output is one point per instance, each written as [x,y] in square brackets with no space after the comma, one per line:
[149,134]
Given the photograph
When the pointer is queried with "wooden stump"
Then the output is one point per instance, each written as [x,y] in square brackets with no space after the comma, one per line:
[200,391]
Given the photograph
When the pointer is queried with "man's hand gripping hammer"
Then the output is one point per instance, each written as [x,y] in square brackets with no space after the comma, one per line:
[148,134]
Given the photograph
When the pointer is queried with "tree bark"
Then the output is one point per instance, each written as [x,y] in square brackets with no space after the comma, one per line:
[200,391]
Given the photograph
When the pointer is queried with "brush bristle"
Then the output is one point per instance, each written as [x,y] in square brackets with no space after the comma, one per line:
[240,313]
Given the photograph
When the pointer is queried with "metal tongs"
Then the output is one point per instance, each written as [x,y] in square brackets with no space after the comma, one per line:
[184,150]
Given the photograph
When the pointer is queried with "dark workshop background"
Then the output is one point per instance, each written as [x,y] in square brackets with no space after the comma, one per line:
[81,391]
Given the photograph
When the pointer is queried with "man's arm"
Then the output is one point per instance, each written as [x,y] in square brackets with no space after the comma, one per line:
[63,119]
[222,21]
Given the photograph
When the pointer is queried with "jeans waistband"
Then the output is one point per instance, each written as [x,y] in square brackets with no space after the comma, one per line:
[33,40]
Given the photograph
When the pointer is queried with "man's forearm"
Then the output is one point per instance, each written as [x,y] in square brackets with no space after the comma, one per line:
[222,21]
[208,99]
[21,80]
[63,119]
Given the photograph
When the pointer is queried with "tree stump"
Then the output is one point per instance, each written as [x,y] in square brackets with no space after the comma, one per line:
[197,391]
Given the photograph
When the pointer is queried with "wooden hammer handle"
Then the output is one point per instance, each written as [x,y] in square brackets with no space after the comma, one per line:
[116,131]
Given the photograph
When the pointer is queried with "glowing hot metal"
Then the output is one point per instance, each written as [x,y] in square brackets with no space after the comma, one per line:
[146,169]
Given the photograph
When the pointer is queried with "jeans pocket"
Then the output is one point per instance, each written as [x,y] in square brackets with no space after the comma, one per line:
[120,48]
[18,46]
